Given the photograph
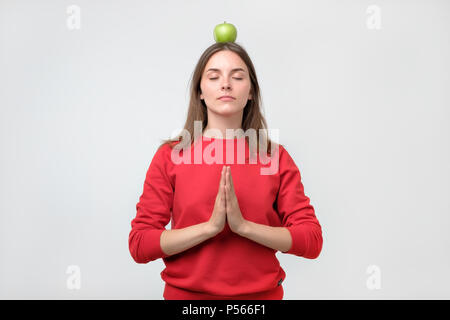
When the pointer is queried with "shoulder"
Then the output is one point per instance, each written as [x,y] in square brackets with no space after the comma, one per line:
[162,165]
[285,158]
[164,150]
[162,156]
[279,150]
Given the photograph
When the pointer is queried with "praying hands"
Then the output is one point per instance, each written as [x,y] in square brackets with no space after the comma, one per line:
[226,209]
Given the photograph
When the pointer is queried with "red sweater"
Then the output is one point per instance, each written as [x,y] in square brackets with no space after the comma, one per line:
[227,265]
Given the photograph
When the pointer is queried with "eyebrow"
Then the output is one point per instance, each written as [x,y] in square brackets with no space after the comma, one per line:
[232,70]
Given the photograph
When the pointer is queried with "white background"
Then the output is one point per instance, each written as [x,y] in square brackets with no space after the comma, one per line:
[364,113]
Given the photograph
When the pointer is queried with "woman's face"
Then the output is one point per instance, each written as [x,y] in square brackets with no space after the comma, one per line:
[219,78]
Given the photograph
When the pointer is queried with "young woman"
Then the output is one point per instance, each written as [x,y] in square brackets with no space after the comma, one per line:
[228,217]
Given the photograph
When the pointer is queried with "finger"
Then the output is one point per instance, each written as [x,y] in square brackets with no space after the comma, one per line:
[220,194]
[222,197]
[222,174]
[227,193]
[223,180]
[230,179]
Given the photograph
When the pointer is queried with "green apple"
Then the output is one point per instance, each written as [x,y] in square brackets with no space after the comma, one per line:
[225,32]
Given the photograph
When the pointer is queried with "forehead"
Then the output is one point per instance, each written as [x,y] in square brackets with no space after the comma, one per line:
[225,60]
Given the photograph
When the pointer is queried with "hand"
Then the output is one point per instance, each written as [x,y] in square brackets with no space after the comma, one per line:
[234,216]
[218,217]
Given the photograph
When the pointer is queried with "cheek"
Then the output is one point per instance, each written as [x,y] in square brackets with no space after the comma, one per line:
[245,90]
[208,90]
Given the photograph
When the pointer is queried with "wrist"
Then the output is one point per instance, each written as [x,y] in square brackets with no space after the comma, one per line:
[244,228]
[209,230]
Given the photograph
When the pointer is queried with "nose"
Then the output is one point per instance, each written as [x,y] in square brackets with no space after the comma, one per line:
[226,85]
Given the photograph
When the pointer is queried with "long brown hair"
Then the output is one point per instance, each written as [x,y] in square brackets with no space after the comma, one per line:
[252,116]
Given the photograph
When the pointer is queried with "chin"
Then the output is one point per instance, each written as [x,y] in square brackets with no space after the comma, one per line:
[232,106]
[225,109]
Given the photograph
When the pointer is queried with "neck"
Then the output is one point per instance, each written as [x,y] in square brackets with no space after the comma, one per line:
[218,125]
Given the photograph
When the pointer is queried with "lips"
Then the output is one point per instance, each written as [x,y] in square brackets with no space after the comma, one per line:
[226,98]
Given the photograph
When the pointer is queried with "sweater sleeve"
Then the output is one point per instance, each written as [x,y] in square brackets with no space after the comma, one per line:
[296,212]
[153,211]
